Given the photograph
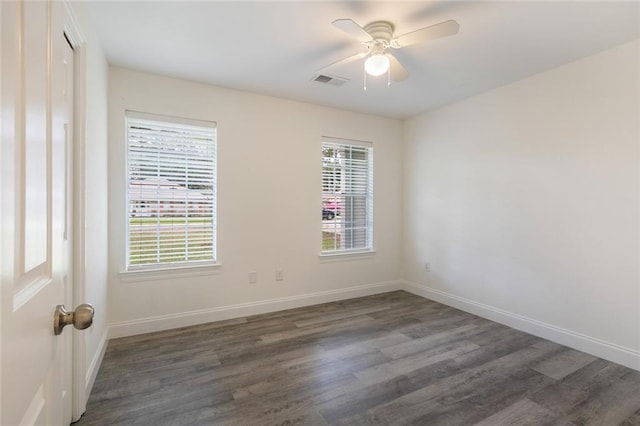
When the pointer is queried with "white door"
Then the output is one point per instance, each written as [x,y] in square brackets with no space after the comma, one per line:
[35,207]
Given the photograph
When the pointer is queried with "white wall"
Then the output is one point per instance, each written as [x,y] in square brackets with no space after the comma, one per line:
[91,193]
[269,205]
[525,202]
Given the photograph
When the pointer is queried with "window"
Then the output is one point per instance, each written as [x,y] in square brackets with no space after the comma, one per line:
[171,191]
[347,196]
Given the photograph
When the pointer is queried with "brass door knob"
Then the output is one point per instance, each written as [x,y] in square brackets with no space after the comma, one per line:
[81,318]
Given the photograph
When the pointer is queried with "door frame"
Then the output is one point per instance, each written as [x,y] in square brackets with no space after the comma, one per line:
[77,40]
[1,213]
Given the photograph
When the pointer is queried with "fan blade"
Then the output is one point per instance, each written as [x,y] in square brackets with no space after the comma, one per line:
[398,72]
[443,29]
[344,61]
[353,29]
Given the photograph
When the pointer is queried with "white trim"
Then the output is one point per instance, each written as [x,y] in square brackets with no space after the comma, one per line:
[77,39]
[72,28]
[343,141]
[185,270]
[27,293]
[600,348]
[170,119]
[2,256]
[96,362]
[345,255]
[166,322]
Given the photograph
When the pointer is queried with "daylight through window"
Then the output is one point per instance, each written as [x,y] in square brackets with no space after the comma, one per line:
[171,191]
[347,196]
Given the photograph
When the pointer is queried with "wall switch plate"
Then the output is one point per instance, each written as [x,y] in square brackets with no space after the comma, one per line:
[253,277]
[279,274]
[427,267]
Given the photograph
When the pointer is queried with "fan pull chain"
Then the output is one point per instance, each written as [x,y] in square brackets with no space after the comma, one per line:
[365,79]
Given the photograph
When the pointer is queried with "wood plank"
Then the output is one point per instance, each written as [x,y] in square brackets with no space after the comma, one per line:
[522,413]
[564,364]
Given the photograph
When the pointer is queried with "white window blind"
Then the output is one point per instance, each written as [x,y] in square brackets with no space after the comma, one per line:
[347,196]
[171,191]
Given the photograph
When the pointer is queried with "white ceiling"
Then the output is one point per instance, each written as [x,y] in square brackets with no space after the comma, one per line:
[274,48]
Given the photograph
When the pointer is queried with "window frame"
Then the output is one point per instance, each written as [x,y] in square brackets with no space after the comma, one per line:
[178,268]
[370,197]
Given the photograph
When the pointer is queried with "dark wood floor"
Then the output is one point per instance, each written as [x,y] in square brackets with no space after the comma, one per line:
[393,358]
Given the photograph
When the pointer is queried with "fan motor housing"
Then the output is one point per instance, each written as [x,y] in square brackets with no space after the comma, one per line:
[380,30]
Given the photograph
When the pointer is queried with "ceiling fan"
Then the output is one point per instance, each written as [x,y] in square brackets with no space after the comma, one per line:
[378,37]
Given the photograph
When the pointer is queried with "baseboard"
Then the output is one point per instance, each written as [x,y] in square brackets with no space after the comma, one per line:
[609,351]
[167,322]
[94,366]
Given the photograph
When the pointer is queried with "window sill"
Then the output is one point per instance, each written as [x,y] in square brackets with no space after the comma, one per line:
[154,274]
[346,255]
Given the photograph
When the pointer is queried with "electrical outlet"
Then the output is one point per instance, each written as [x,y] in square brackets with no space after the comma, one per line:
[253,277]
[279,274]
[427,267]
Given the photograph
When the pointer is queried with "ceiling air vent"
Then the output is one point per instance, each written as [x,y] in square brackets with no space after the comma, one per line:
[328,79]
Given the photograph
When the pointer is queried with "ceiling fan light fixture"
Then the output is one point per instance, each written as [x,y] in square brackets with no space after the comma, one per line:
[376,64]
